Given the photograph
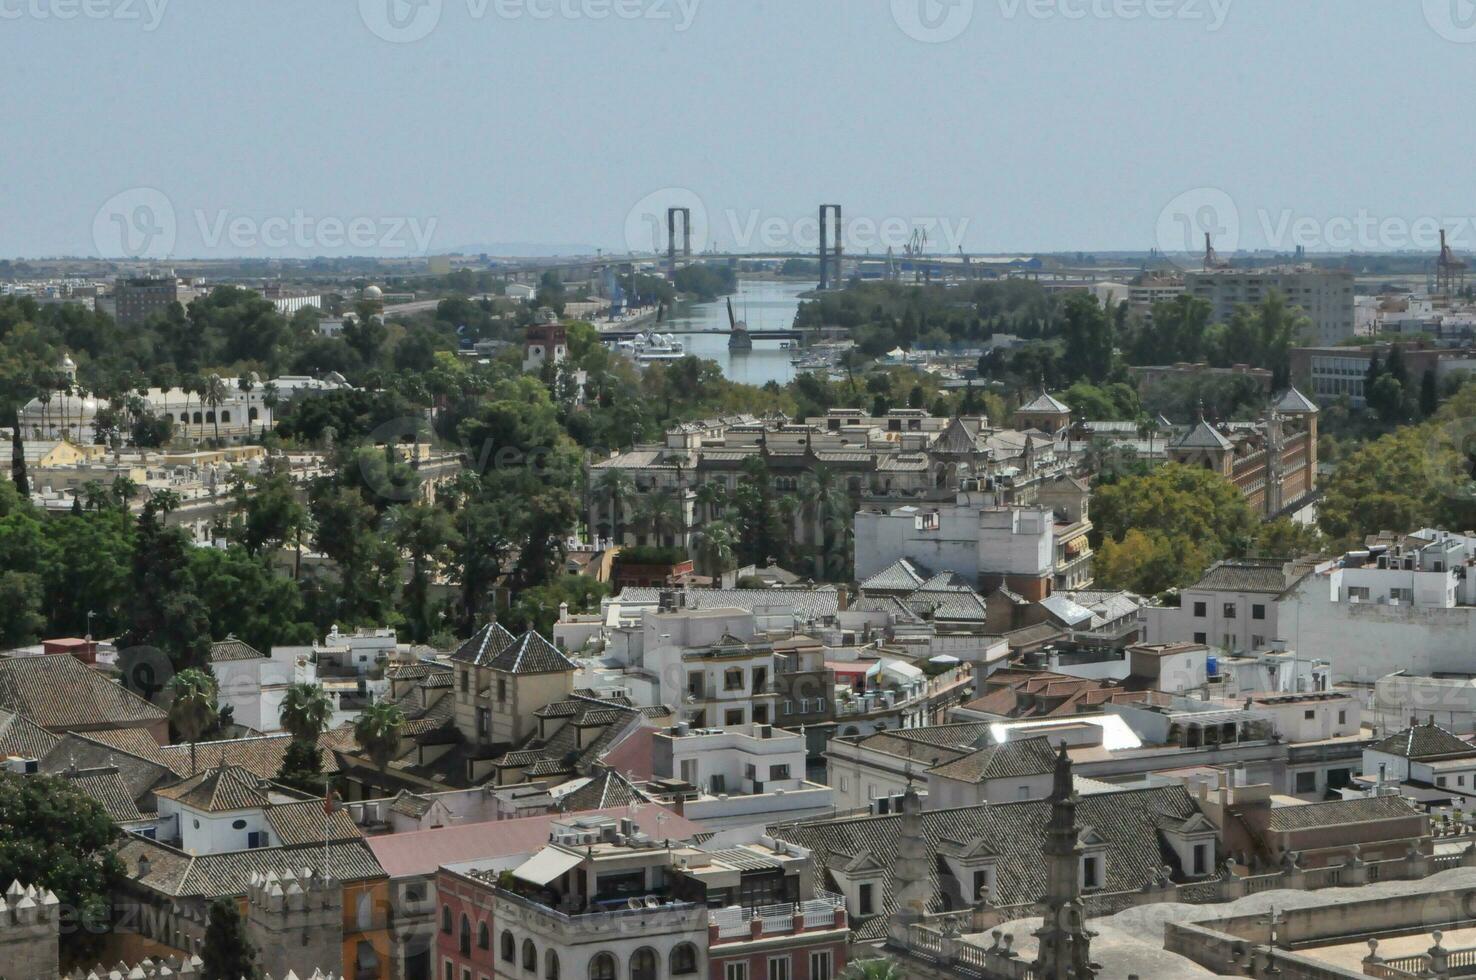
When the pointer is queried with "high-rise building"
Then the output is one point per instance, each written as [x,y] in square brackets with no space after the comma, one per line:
[1325,295]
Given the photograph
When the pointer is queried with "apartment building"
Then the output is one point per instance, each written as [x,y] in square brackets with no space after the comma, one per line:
[1325,295]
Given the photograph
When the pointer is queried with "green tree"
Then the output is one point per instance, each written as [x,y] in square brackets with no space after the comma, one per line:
[193,710]
[377,732]
[306,711]
[213,392]
[873,969]
[428,537]
[54,836]
[227,952]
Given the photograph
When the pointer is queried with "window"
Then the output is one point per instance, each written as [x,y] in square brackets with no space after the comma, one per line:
[1358,592]
[509,947]
[258,838]
[733,717]
[465,681]
[867,900]
[1309,715]
[789,707]
[550,965]
[484,936]
[1200,610]
[981,884]
[1091,872]
[464,943]
[1201,852]
[1229,610]
[778,968]
[502,688]
[822,966]
[448,971]
[446,919]
[845,785]
[735,971]
[1401,595]
[484,722]
[238,825]
[465,973]
[733,679]
[602,967]
[1306,782]
[1022,793]
[643,964]
[1258,611]
[778,772]
[1439,780]
[684,960]
[1201,638]
[1342,717]
[530,956]
[1257,641]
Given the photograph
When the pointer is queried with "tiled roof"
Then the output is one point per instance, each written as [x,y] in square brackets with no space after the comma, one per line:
[410,804]
[261,755]
[59,692]
[173,873]
[231,649]
[1202,436]
[1245,575]
[1026,757]
[219,789]
[1126,821]
[22,737]
[1045,402]
[900,576]
[606,789]
[1338,813]
[1423,742]
[1294,401]
[957,438]
[302,823]
[484,645]
[107,787]
[136,742]
[560,753]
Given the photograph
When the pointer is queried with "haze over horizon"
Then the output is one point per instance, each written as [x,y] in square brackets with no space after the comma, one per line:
[406,127]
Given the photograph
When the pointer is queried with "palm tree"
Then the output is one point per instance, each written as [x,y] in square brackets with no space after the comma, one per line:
[661,516]
[715,547]
[711,497]
[125,488]
[306,711]
[614,489]
[377,730]
[878,968]
[164,501]
[213,393]
[193,709]
[246,382]
[271,398]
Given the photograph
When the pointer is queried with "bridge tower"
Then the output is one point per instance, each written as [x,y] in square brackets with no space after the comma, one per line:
[830,254]
[671,239]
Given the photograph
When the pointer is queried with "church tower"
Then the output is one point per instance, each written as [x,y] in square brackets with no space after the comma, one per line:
[1065,941]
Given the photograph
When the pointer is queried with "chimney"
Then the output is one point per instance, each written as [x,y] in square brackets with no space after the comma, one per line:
[842,598]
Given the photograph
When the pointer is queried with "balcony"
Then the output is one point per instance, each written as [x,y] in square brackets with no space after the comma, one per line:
[655,912]
[826,911]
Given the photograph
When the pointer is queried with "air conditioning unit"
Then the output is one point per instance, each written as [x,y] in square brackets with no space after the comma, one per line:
[22,766]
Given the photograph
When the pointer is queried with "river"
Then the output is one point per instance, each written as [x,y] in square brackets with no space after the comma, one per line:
[766,305]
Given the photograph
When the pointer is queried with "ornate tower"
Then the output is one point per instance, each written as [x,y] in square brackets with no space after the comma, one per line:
[909,882]
[1065,941]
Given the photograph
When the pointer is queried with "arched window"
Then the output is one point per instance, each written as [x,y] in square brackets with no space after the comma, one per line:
[225,418]
[643,964]
[465,940]
[684,960]
[530,956]
[364,913]
[484,936]
[197,418]
[252,414]
[509,947]
[602,967]
[210,418]
[550,965]
[446,919]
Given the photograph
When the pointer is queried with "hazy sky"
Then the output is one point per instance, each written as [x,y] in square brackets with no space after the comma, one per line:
[295,127]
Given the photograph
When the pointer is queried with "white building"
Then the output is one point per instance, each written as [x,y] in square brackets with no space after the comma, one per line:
[1233,607]
[737,777]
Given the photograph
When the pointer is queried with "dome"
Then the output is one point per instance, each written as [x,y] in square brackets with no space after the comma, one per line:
[67,363]
[373,292]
